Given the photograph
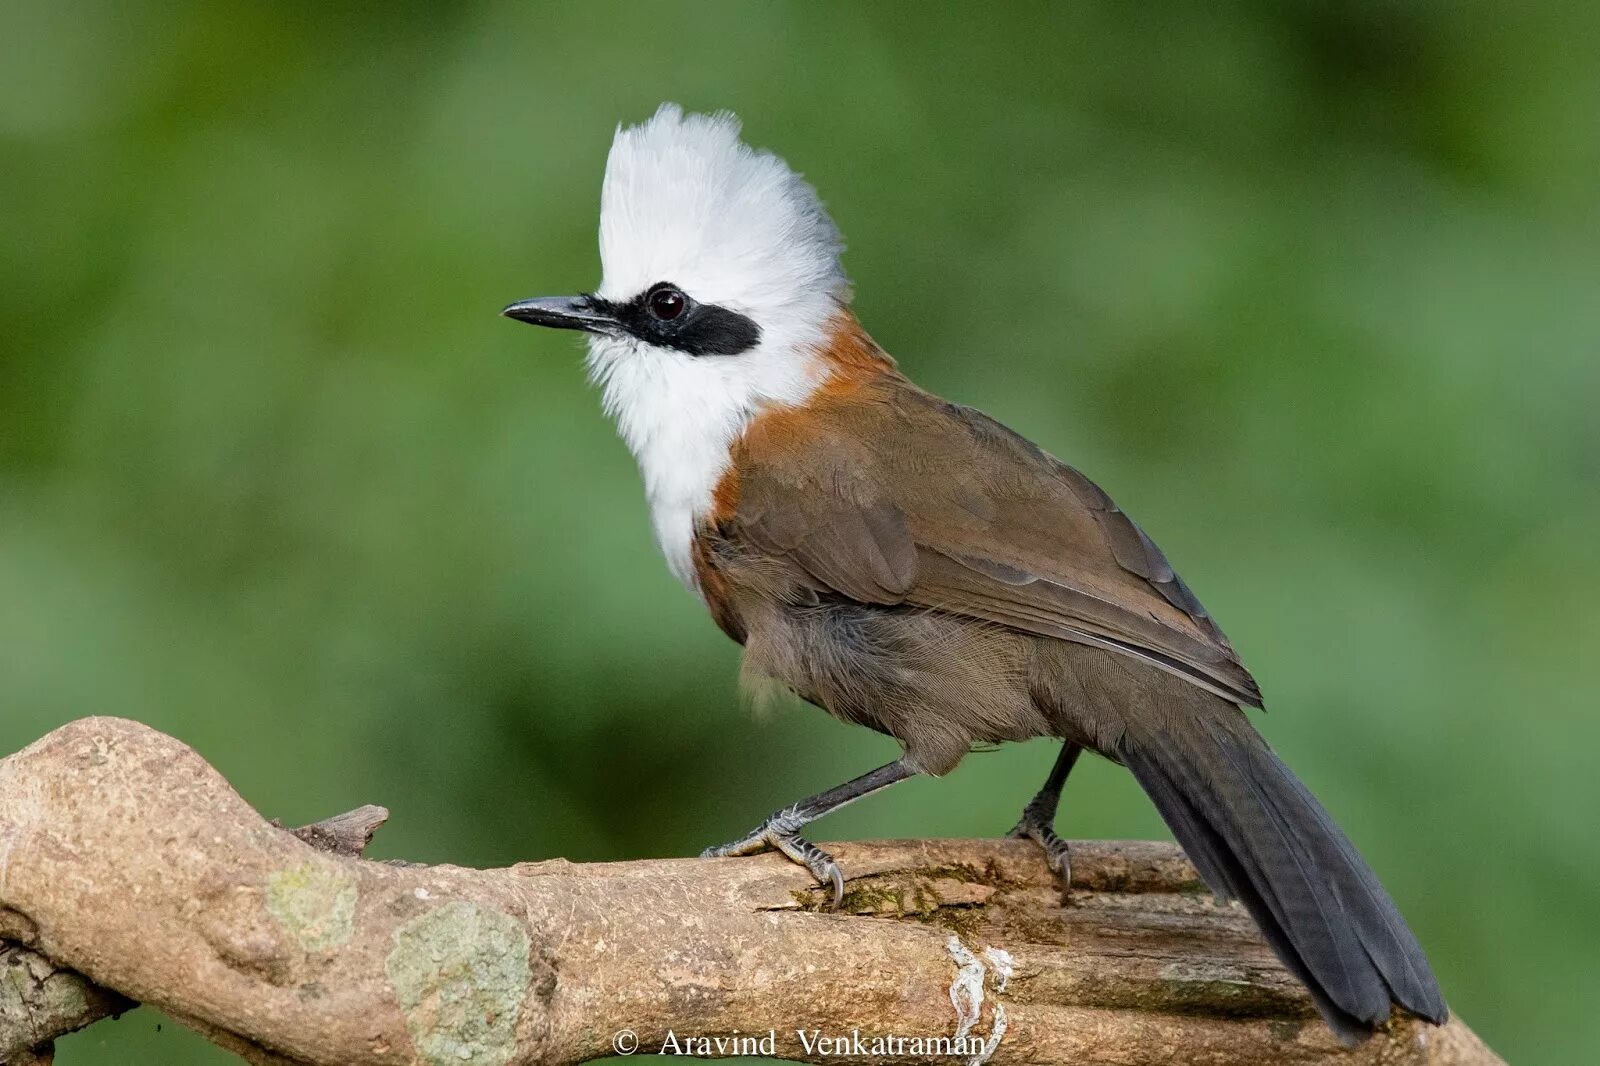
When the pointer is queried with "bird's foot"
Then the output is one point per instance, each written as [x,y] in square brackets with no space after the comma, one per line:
[1057,852]
[781,832]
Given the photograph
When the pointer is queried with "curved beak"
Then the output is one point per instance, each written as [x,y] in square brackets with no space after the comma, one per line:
[564,312]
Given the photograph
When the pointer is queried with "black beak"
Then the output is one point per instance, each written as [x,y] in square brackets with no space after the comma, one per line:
[564,312]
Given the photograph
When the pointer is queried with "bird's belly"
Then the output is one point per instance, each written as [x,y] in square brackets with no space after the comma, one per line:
[937,683]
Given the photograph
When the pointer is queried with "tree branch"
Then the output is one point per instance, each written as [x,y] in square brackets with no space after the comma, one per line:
[125,857]
[40,1001]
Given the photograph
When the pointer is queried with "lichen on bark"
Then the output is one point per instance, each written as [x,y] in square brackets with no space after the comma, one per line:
[461,972]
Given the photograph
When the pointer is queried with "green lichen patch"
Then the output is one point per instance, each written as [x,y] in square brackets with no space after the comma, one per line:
[925,895]
[868,898]
[460,973]
[24,992]
[315,902]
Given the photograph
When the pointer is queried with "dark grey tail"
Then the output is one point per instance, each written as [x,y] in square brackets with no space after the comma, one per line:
[1256,834]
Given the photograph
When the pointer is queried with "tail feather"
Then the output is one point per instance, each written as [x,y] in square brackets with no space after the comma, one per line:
[1392,947]
[1296,884]
[1226,876]
[1256,834]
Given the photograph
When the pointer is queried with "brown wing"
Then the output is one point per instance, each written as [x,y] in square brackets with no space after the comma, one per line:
[884,494]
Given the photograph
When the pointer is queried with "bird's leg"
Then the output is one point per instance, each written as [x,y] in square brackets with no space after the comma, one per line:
[782,829]
[1039,816]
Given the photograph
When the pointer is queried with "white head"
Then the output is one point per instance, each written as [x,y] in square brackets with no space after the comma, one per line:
[686,202]
[721,283]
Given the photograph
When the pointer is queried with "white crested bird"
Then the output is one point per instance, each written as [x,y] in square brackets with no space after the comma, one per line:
[913,566]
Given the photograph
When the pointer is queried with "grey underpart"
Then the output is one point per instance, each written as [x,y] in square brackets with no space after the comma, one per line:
[781,830]
[1039,816]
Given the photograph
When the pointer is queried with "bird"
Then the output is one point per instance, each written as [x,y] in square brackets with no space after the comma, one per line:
[913,566]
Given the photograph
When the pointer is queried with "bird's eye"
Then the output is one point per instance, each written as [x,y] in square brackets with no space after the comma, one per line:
[667,303]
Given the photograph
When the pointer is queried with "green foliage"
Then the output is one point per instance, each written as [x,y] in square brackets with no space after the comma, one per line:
[1309,290]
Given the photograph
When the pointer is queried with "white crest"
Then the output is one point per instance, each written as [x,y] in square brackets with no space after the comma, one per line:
[686,202]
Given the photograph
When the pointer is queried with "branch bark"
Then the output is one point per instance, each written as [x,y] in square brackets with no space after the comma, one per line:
[126,858]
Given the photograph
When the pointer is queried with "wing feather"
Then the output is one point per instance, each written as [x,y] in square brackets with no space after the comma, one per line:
[886,495]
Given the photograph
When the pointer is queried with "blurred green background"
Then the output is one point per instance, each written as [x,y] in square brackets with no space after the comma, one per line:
[1311,292]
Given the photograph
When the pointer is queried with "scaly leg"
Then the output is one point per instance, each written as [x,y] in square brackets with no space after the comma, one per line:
[1039,816]
[782,830]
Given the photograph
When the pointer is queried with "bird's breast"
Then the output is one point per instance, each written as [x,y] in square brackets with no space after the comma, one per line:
[678,417]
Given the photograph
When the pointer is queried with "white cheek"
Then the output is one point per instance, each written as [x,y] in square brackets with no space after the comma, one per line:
[679,415]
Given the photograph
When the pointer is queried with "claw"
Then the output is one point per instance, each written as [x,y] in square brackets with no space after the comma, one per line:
[1057,853]
[779,834]
[813,858]
[753,843]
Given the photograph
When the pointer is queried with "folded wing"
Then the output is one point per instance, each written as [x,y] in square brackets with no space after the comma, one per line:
[885,494]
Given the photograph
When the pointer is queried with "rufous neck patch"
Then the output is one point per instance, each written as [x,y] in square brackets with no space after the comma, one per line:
[849,351]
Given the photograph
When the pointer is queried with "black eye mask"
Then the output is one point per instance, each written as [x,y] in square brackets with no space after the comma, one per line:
[666,316]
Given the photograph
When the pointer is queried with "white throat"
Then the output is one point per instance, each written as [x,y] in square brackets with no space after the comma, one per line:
[680,414]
